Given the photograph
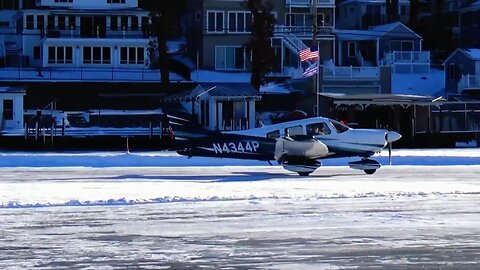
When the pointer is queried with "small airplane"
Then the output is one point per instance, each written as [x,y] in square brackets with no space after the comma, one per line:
[298,145]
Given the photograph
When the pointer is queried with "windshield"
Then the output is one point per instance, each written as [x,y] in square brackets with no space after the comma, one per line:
[339,126]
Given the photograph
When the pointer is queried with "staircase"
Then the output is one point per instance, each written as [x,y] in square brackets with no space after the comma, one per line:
[291,41]
[13,55]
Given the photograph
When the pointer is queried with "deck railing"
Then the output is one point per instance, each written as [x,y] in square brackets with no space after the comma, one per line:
[408,61]
[308,3]
[469,82]
[82,74]
[351,72]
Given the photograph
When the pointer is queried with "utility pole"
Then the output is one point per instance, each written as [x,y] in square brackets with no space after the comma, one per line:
[314,43]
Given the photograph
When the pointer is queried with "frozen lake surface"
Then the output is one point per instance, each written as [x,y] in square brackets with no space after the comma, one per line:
[201,215]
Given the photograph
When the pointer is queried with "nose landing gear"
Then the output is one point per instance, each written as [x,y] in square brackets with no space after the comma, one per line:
[369,166]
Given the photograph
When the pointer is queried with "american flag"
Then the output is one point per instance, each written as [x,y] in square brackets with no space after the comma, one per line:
[311,70]
[309,53]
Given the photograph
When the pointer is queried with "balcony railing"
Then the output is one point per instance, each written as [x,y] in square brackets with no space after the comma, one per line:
[469,82]
[308,3]
[69,74]
[407,56]
[408,61]
[305,31]
[351,72]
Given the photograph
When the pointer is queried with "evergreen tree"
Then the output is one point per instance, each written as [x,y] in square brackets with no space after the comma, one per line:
[164,21]
[260,45]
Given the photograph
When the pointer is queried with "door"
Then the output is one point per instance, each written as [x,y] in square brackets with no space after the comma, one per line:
[8,116]
[93,26]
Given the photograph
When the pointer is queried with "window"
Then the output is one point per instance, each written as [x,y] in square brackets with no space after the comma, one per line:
[114,23]
[51,22]
[61,22]
[404,10]
[273,134]
[9,4]
[71,22]
[320,19]
[97,55]
[36,52]
[115,1]
[59,55]
[87,55]
[124,22]
[318,129]
[373,10]
[452,71]
[40,22]
[230,58]
[339,126]
[8,109]
[134,23]
[294,130]
[106,55]
[51,55]
[132,55]
[214,21]
[240,22]
[352,49]
[401,45]
[29,22]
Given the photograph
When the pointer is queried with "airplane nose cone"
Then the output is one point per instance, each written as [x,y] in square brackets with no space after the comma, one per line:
[392,136]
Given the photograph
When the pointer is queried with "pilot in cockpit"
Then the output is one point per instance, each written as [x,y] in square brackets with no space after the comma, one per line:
[318,129]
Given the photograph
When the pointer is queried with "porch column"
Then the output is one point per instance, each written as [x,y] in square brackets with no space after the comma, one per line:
[220,116]
[212,114]
[282,57]
[251,114]
[377,52]
[339,53]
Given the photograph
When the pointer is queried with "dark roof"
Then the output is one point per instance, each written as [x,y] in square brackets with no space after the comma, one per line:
[232,90]
[228,91]
[383,99]
[8,89]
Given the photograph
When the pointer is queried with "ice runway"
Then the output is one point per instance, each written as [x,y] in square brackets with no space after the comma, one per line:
[247,217]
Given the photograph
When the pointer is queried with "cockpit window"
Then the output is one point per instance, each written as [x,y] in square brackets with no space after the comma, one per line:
[339,126]
[274,134]
[318,129]
[295,130]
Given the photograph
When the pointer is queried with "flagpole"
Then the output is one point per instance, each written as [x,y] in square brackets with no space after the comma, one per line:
[318,83]
[314,43]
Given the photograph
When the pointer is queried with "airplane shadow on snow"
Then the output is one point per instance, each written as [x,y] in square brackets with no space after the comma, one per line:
[233,177]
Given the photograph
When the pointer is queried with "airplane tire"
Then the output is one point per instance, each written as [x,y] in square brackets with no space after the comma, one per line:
[371,171]
[303,173]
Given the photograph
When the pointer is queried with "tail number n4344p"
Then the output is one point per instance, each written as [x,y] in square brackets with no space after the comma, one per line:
[231,147]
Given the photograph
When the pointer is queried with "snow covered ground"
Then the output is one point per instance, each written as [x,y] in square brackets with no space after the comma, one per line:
[153,210]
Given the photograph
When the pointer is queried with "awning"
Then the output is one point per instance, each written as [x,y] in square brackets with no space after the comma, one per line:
[231,92]
[383,99]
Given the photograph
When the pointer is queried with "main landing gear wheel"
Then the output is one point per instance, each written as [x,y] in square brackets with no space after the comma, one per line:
[303,173]
[370,171]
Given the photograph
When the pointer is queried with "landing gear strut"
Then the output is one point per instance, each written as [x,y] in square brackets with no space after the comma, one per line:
[369,166]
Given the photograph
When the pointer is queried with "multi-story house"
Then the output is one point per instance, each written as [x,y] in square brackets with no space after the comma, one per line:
[111,33]
[362,14]
[77,56]
[469,25]
[219,30]
[462,72]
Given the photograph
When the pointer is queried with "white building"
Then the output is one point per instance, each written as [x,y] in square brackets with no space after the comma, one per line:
[73,34]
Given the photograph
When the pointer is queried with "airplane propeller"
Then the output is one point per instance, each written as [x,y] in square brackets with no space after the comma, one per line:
[390,137]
